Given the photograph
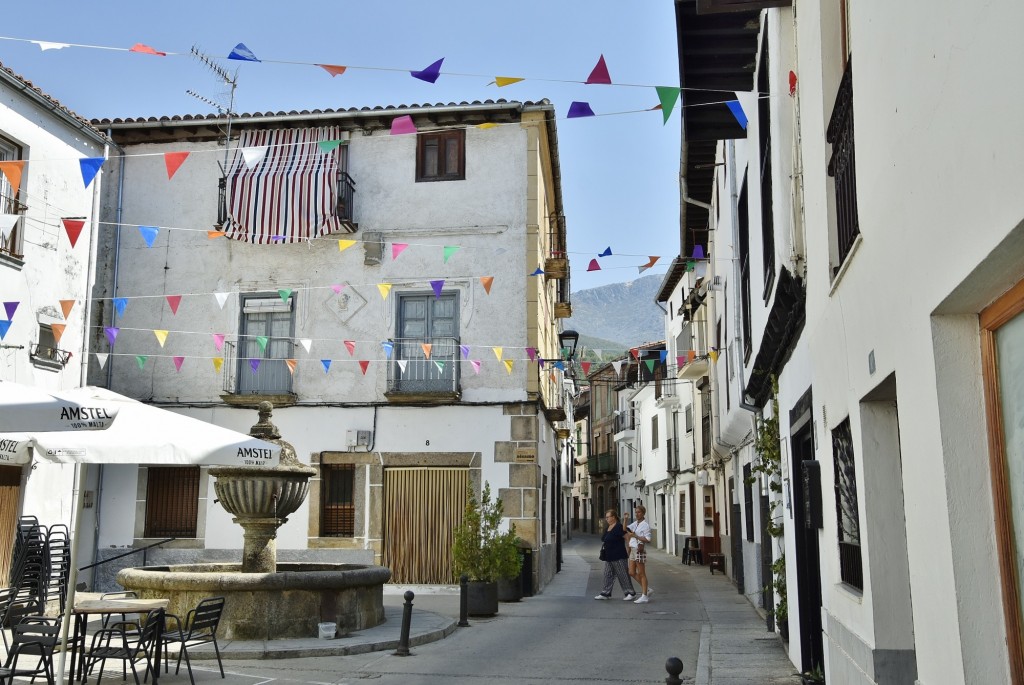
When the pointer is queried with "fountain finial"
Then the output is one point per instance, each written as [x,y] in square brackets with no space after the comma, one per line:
[264,428]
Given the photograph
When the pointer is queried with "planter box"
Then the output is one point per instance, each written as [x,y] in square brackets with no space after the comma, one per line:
[481,598]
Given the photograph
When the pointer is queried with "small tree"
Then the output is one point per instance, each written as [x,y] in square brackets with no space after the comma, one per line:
[480,550]
[768,446]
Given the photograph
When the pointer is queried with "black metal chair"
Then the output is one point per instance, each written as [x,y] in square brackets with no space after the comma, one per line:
[127,594]
[199,628]
[17,610]
[121,642]
[34,636]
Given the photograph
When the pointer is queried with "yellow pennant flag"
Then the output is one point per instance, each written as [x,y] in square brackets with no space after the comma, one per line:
[714,356]
[218,362]
[503,81]
[508,365]
[211,235]
[426,349]
[384,289]
[66,306]
[58,330]
[489,124]
[497,352]
[291,365]
[345,244]
[161,336]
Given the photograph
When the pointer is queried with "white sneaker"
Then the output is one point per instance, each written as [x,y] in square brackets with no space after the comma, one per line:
[650,590]
[602,597]
[630,597]
[642,599]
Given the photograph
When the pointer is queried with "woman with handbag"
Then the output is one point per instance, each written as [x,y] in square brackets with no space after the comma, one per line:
[614,556]
[639,534]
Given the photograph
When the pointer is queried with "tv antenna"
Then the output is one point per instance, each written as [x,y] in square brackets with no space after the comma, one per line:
[228,83]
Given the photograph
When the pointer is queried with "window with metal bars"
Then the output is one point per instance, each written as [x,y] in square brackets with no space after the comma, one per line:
[764,135]
[842,168]
[748,501]
[337,501]
[847,508]
[172,502]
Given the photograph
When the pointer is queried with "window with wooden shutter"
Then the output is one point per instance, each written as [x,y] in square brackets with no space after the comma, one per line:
[441,156]
[172,501]
[338,513]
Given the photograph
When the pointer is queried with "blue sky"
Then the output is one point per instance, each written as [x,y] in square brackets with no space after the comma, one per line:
[619,171]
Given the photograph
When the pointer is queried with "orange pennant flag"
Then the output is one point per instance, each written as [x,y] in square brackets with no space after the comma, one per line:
[333,69]
[58,330]
[486,281]
[211,235]
[146,50]
[291,365]
[12,170]
[66,306]
[173,161]
[426,349]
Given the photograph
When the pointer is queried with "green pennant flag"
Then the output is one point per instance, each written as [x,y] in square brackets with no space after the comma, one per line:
[262,340]
[650,364]
[668,96]
[328,145]
[690,264]
[449,250]
[439,365]
[285,293]
[140,359]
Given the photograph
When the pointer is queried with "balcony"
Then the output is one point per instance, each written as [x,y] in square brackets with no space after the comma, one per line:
[602,465]
[694,370]
[49,357]
[624,425]
[557,263]
[245,387]
[346,199]
[431,378]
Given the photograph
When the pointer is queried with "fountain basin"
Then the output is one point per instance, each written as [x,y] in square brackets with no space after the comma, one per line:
[266,606]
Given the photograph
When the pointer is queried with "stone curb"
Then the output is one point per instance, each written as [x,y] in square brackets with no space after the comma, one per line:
[426,627]
[703,676]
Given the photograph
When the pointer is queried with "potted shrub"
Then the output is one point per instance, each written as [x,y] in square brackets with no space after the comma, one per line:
[483,553]
[510,586]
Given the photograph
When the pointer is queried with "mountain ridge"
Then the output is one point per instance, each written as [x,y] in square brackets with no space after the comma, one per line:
[623,313]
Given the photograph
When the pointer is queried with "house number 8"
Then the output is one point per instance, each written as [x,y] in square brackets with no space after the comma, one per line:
[428,443]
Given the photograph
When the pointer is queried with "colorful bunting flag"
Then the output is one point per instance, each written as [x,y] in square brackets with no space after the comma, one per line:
[328,145]
[333,69]
[508,365]
[262,341]
[600,73]
[437,286]
[218,362]
[73,227]
[4,327]
[7,222]
[66,306]
[402,125]
[439,365]
[327,364]
[90,167]
[497,352]
[586,367]
[254,364]
[45,45]
[698,251]
[397,249]
[429,74]
[222,298]
[284,294]
[476,365]
[607,252]
[464,349]
[579,109]
[146,50]
[426,349]
[538,272]
[101,358]
[617,366]
[652,261]
[10,308]
[242,53]
[291,363]
[337,288]
[680,361]
[178,361]
[737,111]
[253,155]
[388,348]
[345,244]
[111,334]
[486,282]
[140,359]
[149,234]
[531,353]
[173,162]
[594,266]
[306,344]
[13,170]
[218,341]
[211,235]
[364,365]
[161,336]
[449,250]
[173,301]
[350,345]
[714,353]
[503,81]
[58,330]
[668,96]
[401,365]
[487,125]
[792,83]
[384,289]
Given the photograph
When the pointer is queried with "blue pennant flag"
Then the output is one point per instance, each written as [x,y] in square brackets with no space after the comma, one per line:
[242,53]
[90,167]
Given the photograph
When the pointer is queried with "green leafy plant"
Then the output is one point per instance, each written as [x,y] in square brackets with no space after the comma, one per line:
[769,464]
[481,550]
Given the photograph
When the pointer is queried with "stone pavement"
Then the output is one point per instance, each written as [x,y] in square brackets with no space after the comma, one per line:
[564,635]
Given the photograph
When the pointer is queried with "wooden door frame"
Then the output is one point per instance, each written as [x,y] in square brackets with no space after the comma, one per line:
[1005,308]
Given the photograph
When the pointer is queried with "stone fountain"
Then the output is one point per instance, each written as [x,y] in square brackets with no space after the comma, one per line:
[264,599]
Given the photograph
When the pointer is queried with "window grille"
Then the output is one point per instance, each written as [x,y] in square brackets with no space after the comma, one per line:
[172,501]
[847,508]
[338,509]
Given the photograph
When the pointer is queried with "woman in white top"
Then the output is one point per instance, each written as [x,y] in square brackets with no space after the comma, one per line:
[639,534]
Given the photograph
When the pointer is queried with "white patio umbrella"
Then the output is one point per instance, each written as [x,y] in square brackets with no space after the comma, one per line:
[27,408]
[142,434]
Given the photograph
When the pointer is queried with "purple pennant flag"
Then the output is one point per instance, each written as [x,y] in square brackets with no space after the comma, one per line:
[579,109]
[327,364]
[437,286]
[465,351]
[698,251]
[90,166]
[531,353]
[254,364]
[10,308]
[242,53]
[111,334]
[429,74]
[4,327]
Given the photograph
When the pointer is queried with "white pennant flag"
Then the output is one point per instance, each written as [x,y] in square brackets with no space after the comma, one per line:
[7,222]
[101,357]
[222,298]
[700,270]
[254,155]
[47,45]
[307,343]
[617,365]
[401,365]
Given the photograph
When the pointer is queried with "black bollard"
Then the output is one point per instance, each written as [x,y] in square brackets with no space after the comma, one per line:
[463,601]
[674,666]
[403,640]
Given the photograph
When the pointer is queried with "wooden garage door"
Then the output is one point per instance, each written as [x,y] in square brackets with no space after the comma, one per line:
[422,507]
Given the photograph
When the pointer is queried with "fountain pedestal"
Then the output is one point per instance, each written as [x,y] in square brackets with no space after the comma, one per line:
[259,555]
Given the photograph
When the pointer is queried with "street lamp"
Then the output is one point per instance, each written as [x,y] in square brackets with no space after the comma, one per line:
[568,341]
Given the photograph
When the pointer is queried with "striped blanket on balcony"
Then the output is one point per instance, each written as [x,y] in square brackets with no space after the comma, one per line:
[289,194]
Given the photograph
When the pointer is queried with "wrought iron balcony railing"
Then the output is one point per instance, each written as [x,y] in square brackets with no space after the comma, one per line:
[602,464]
[428,366]
[270,377]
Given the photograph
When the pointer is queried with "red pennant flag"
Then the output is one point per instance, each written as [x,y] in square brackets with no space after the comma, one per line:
[174,160]
[146,50]
[600,73]
[792,83]
[594,266]
[363,364]
[635,351]
[586,367]
[174,301]
[350,345]
[73,227]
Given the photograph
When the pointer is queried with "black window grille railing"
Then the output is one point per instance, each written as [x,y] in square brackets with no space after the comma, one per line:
[851,570]
[625,421]
[842,166]
[338,510]
[172,501]
[424,365]
[847,506]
